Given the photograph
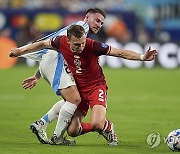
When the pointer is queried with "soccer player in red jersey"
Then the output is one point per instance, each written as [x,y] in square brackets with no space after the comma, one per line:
[81,55]
[61,80]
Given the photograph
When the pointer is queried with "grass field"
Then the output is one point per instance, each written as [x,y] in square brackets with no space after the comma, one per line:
[140,102]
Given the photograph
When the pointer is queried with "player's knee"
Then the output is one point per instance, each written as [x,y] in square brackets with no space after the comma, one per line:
[71,96]
[74,99]
[72,132]
[77,100]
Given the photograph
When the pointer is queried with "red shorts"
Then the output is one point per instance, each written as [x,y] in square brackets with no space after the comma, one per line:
[97,96]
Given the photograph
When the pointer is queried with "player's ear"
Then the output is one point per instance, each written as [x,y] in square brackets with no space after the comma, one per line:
[86,17]
[68,41]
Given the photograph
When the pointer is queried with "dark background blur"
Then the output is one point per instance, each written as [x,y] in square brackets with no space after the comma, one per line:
[139,21]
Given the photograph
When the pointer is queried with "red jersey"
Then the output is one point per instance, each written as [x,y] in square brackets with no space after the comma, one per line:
[85,65]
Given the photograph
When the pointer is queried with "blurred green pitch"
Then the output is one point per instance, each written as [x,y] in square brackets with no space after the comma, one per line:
[140,102]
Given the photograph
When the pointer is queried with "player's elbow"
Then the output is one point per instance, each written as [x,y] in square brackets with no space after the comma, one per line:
[46,44]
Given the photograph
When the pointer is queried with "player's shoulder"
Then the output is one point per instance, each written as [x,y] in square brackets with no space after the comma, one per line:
[58,37]
[63,38]
[89,41]
[81,23]
[59,40]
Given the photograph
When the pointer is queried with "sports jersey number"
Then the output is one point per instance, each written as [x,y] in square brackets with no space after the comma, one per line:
[68,71]
[66,68]
[101,95]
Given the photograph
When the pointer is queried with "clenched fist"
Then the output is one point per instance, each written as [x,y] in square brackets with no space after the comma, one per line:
[15,52]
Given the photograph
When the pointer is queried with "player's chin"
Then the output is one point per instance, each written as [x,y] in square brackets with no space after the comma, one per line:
[77,51]
[95,31]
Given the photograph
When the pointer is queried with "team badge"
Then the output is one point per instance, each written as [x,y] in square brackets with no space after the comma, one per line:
[104,45]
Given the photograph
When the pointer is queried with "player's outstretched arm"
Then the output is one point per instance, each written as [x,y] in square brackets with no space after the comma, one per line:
[30,82]
[15,52]
[132,55]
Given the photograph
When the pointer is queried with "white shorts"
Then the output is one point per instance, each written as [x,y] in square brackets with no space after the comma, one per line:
[54,70]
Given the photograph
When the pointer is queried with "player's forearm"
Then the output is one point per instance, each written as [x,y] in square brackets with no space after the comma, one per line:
[130,55]
[34,47]
[126,54]
[37,74]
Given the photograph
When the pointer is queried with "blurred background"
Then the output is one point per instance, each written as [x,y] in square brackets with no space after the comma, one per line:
[130,24]
[143,97]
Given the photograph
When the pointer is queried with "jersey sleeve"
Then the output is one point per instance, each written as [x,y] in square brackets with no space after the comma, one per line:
[63,31]
[101,48]
[55,42]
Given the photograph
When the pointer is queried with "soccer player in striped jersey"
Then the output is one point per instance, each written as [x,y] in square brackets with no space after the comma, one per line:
[55,71]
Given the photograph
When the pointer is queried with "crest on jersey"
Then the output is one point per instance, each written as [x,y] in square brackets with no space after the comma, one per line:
[104,45]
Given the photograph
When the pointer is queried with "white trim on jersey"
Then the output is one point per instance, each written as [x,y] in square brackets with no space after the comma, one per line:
[37,55]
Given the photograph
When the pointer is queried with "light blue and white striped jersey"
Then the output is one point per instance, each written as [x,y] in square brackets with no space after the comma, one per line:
[37,55]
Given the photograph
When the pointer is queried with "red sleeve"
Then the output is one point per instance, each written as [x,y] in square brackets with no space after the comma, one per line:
[55,42]
[101,48]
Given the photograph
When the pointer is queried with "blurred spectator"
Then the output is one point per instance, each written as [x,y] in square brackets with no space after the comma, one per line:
[5,33]
[32,4]
[4,4]
[28,33]
[159,34]
[71,5]
[5,46]
[117,28]
[142,35]
[122,30]
[17,3]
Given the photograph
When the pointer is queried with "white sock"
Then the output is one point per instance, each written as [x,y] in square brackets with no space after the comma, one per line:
[64,118]
[52,113]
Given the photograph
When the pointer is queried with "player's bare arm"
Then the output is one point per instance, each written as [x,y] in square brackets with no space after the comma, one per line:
[30,82]
[15,52]
[131,55]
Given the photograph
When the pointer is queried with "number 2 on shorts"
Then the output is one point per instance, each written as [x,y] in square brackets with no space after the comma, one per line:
[101,95]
